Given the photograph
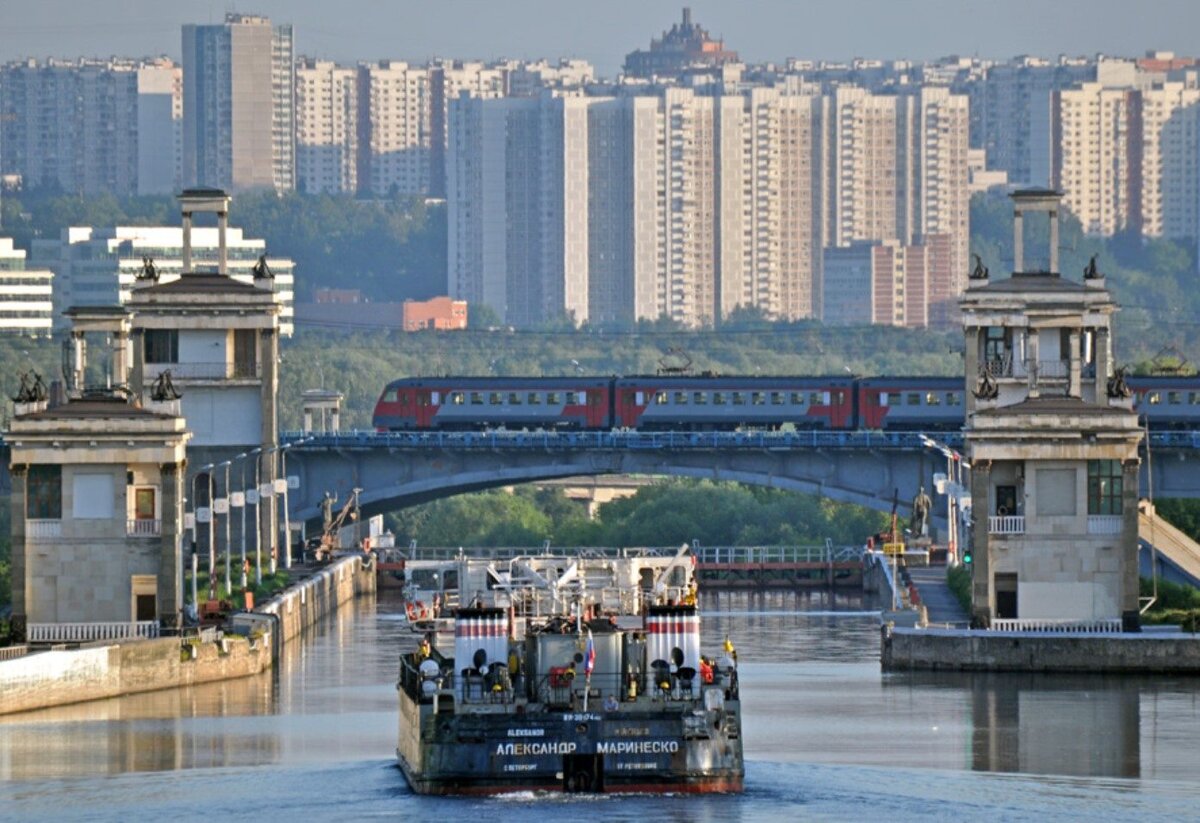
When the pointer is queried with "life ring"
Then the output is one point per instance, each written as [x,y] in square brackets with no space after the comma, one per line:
[416,611]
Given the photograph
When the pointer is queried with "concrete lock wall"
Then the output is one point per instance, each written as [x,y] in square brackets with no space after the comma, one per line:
[958,650]
[303,604]
[56,678]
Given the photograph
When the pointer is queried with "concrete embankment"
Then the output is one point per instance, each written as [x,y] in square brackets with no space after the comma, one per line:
[56,678]
[290,613]
[993,651]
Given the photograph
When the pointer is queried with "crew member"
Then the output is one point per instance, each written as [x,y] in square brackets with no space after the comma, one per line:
[706,671]
[729,649]
[425,649]
[610,703]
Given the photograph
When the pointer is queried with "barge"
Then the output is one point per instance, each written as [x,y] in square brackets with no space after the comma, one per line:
[571,674]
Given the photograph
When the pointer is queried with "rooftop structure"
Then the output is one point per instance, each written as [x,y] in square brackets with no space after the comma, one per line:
[682,47]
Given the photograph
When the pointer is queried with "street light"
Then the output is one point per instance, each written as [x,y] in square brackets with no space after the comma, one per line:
[257,519]
[212,549]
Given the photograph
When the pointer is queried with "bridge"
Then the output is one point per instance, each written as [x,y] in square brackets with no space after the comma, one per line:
[399,469]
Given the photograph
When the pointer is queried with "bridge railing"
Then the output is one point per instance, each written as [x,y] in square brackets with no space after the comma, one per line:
[705,555]
[617,440]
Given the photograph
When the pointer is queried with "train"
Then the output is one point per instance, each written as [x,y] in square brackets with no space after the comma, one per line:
[709,402]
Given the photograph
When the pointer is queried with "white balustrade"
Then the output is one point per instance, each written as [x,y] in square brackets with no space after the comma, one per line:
[1051,626]
[1006,524]
[1105,523]
[43,529]
[143,528]
[88,632]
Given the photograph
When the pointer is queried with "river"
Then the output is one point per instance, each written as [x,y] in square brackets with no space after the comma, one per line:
[827,737]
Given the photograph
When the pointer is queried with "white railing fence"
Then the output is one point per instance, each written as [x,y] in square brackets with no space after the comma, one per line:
[87,632]
[1007,524]
[1104,523]
[1049,626]
[43,529]
[143,528]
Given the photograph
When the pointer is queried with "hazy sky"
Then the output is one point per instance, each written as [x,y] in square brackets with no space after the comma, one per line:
[602,31]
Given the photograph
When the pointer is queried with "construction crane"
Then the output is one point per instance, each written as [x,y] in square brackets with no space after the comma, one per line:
[328,543]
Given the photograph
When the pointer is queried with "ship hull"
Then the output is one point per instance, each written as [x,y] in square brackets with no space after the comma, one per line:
[638,748]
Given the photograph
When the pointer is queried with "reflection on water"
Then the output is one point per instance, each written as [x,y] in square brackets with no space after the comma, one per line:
[816,708]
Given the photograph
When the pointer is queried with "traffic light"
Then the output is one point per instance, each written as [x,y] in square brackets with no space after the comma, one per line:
[966,557]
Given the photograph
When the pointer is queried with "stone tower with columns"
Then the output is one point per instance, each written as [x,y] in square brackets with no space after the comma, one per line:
[1053,443]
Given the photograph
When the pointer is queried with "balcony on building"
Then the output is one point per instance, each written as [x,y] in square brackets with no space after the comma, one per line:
[202,355]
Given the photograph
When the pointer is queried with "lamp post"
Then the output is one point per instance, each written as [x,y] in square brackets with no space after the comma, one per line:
[228,532]
[287,522]
[242,486]
[257,517]
[956,465]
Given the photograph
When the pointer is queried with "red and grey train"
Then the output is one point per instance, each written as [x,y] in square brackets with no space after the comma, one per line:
[723,403]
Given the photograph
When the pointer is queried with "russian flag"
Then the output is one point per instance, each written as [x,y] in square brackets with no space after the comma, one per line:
[589,656]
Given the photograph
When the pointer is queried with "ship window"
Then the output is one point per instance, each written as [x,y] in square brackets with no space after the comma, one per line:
[700,398]
[932,399]
[680,398]
[476,398]
[777,398]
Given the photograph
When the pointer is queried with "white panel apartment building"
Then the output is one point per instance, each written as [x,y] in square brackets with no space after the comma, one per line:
[326,127]
[26,295]
[92,126]
[99,266]
[1126,159]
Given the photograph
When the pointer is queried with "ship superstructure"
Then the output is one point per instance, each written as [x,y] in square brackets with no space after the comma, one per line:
[569,673]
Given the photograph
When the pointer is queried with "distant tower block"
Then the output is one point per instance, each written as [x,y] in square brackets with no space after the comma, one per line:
[324,406]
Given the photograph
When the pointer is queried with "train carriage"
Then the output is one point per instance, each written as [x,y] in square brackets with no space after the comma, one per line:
[476,403]
[911,403]
[1168,402]
[681,403]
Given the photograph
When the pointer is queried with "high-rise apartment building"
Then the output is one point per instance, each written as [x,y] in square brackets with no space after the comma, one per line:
[327,150]
[518,206]
[395,128]
[1126,159]
[239,104]
[92,126]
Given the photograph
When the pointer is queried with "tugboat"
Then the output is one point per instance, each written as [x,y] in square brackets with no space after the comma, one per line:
[572,674]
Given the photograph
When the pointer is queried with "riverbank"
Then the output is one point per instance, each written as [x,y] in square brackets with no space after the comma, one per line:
[41,679]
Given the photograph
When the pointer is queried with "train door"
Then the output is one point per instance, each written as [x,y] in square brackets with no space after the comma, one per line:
[428,401]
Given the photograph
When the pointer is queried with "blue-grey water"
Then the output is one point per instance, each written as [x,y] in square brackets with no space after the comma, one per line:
[827,737]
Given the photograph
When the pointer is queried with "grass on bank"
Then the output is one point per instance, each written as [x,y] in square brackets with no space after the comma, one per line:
[271,585]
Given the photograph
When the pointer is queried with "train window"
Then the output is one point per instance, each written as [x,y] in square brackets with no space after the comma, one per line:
[495,398]
[814,398]
[680,398]
[389,396]
[914,398]
[893,398]
[1173,398]
[514,398]
[476,398]
[593,398]
[932,399]
[552,398]
[456,398]
[953,398]
[738,398]
[660,398]
[1153,398]
[777,398]
[630,399]
[718,398]
[839,398]
[534,399]
[758,398]
[422,400]
[797,398]
[699,398]
[1194,398]
[403,398]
